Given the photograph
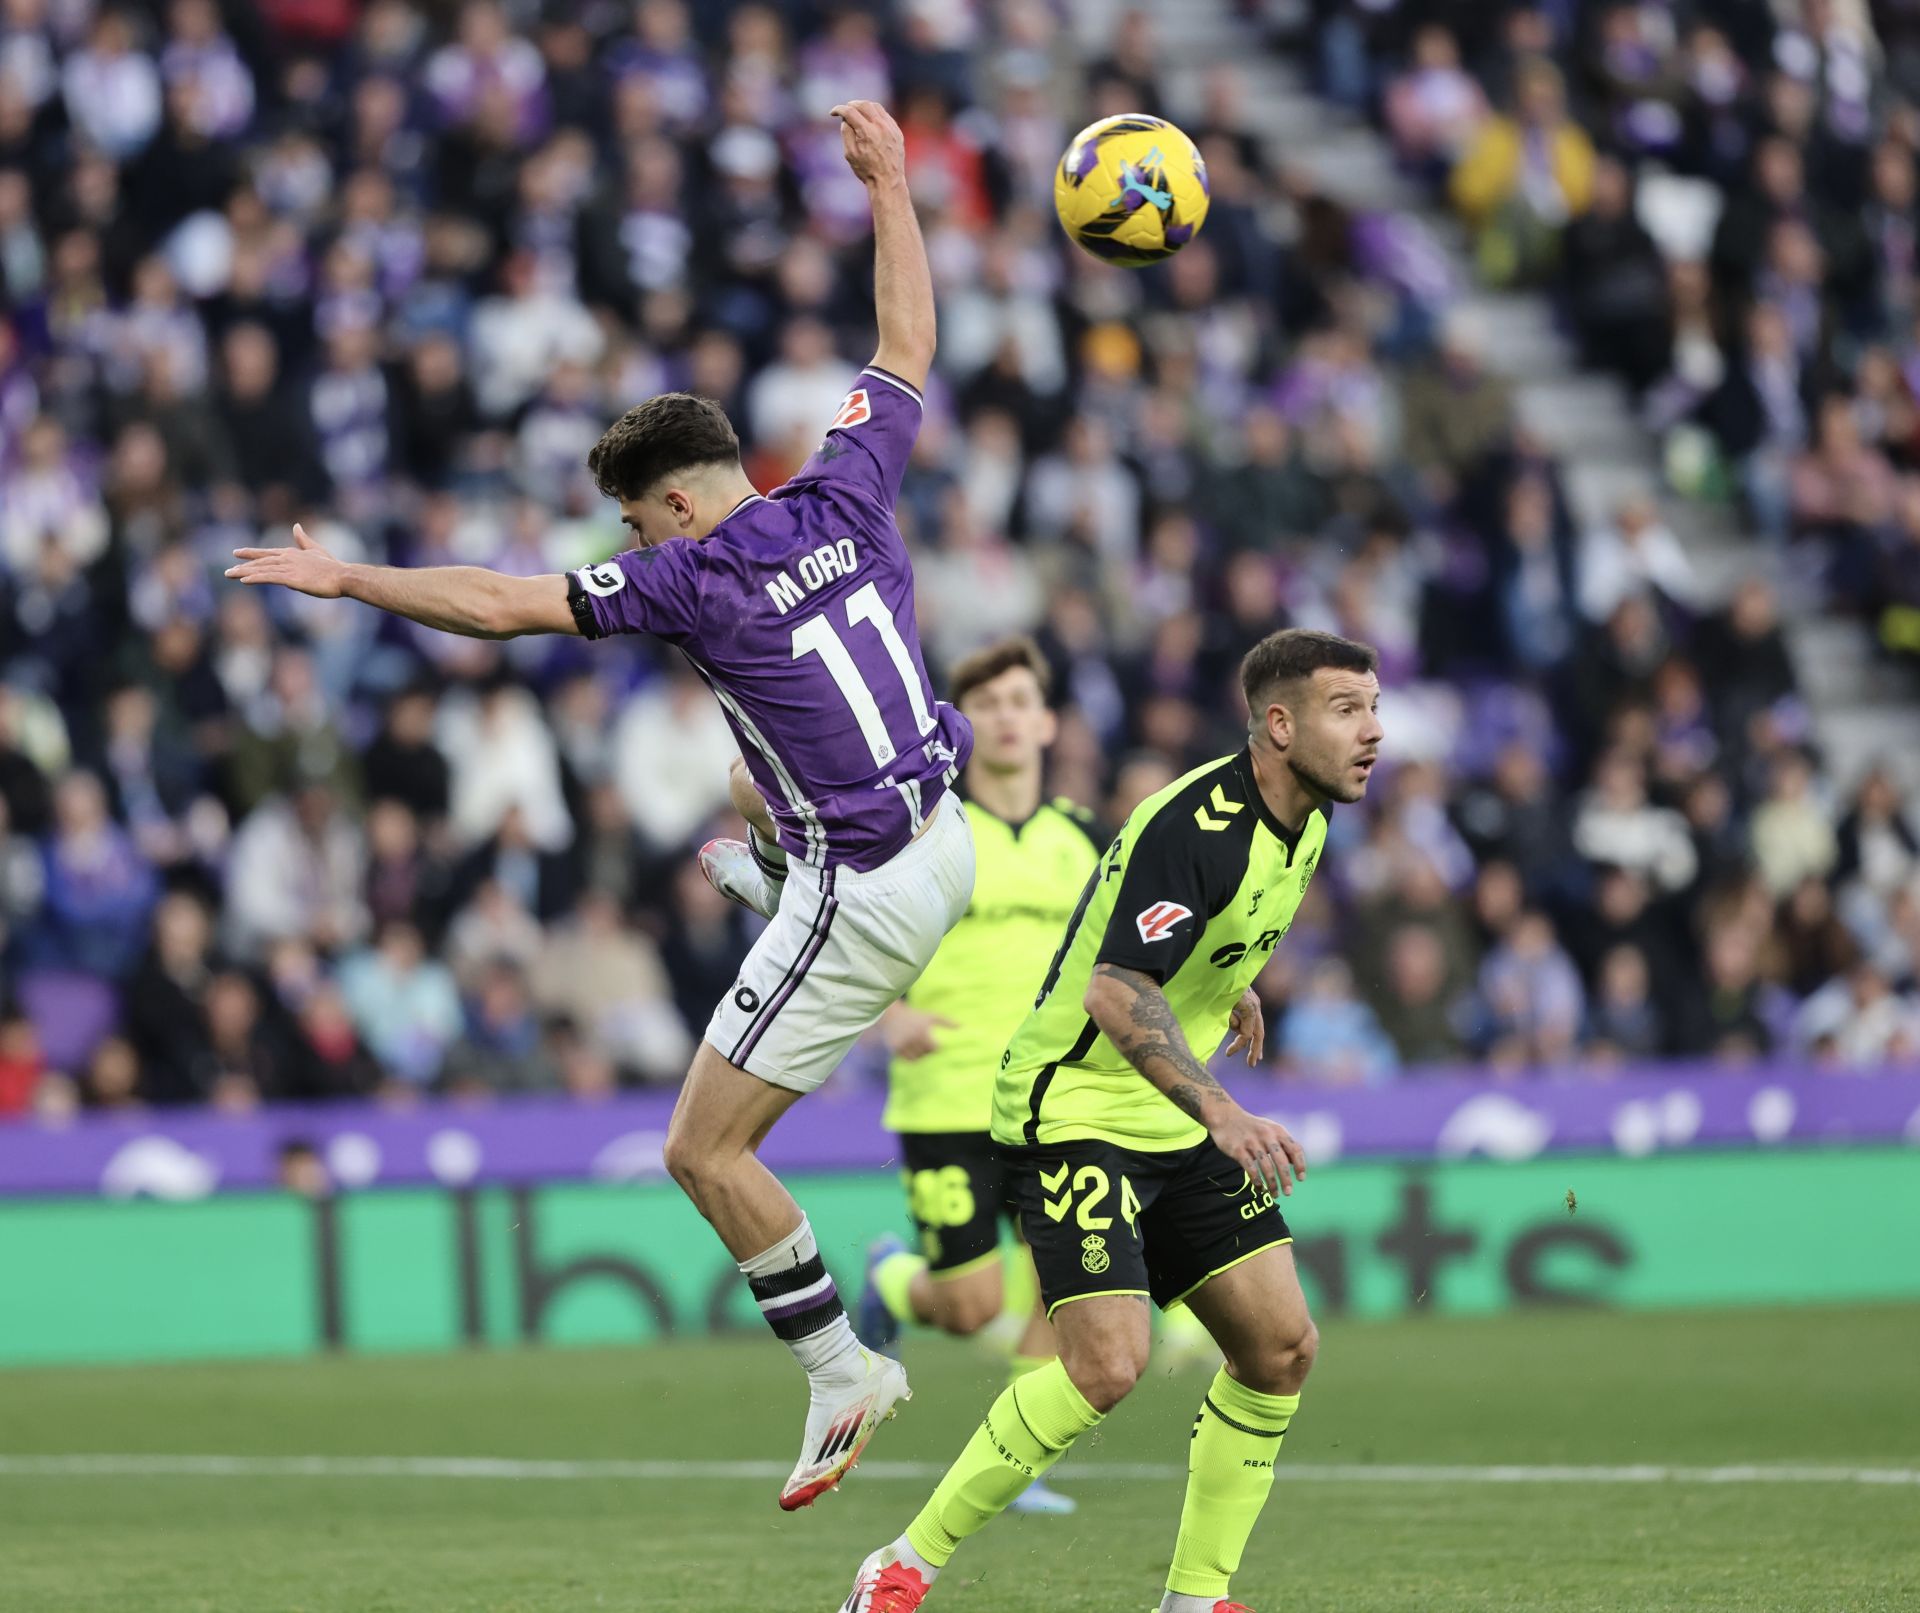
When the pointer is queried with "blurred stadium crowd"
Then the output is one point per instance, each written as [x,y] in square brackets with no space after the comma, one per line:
[390,267]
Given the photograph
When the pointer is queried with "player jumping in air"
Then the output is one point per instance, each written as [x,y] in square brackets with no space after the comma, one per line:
[1032,858]
[797,609]
[1139,1177]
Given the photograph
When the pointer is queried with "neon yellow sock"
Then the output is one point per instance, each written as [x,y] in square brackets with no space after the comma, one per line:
[1236,1437]
[1026,1431]
[1020,1365]
[893,1278]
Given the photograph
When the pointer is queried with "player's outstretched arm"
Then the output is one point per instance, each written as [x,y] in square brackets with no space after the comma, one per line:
[456,599]
[902,281]
[1133,1013]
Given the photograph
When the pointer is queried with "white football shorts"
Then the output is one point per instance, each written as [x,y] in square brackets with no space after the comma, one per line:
[843,946]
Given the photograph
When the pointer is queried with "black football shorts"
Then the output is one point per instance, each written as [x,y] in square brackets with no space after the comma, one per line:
[957,1192]
[1102,1219]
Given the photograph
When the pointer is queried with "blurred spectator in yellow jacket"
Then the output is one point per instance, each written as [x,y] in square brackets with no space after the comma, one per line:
[1525,175]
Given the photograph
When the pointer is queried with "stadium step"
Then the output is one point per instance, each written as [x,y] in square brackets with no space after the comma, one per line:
[1511,313]
[1884,733]
[1281,114]
[1710,526]
[1596,485]
[1353,165]
[1722,568]
[1522,342]
[1202,35]
[1838,665]
[1584,416]
[1527,356]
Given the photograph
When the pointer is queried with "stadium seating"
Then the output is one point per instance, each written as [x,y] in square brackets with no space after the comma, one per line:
[389,269]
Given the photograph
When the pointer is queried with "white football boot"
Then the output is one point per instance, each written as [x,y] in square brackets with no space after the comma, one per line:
[841,1418]
[745,874]
[886,1585]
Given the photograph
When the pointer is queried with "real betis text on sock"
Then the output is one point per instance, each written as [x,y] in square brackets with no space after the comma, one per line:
[1026,1431]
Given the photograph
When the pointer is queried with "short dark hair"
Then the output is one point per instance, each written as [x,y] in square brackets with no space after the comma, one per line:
[672,432]
[1295,653]
[984,665]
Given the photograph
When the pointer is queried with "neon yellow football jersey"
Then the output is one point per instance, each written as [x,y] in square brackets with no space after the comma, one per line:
[1027,877]
[1197,890]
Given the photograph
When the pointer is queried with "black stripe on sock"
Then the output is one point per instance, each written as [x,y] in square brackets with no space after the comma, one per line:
[790,1281]
[763,862]
[1013,1390]
[803,1323]
[1013,1394]
[1258,1433]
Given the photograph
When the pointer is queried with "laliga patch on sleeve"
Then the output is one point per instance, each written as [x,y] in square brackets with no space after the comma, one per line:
[1158,921]
[604,579]
[856,411]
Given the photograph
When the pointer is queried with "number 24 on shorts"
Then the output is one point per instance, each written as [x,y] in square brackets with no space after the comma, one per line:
[1092,1186]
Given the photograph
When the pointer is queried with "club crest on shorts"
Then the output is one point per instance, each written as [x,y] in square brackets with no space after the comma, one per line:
[1093,1254]
[1157,922]
[856,411]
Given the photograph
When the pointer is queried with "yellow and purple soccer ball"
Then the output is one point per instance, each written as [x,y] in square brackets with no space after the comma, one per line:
[1131,190]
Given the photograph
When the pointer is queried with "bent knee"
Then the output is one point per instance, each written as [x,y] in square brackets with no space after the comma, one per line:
[683,1159]
[692,1160]
[1306,1350]
[1281,1365]
[1105,1384]
[1106,1378]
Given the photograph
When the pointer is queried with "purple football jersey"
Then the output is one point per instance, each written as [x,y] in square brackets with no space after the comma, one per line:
[798,611]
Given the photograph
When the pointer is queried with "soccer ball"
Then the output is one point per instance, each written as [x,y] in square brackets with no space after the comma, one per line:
[1131,190]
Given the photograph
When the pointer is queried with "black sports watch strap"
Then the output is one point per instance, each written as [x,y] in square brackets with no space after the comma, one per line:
[581,606]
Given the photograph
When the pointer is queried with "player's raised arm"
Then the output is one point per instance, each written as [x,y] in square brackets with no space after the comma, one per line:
[902,281]
[1133,1013]
[456,599]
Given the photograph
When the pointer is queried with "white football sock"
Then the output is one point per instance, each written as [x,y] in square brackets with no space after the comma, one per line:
[797,1296]
[903,1552]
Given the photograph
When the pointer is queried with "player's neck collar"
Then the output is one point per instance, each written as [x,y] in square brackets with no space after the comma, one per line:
[1290,838]
[960,789]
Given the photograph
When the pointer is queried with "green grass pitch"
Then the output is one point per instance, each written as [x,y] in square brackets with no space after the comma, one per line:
[1822,1388]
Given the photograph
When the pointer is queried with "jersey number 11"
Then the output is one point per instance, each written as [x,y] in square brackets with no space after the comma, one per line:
[816,636]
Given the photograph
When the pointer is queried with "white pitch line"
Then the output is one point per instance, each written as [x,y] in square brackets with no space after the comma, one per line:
[513,1469]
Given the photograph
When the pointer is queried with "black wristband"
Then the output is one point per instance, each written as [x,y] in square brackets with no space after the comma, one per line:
[582,607]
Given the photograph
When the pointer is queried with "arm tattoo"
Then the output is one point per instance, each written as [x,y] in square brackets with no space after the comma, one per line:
[1153,1043]
[1186,1098]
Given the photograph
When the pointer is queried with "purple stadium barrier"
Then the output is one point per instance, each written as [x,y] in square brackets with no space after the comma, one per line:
[190,1154]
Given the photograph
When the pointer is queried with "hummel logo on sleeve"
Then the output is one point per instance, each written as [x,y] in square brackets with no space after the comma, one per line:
[1158,921]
